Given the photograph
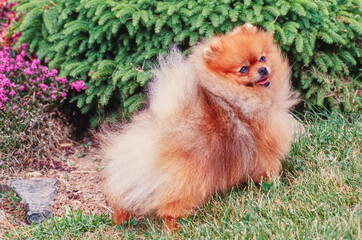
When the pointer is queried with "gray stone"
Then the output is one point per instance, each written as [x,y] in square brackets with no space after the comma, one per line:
[37,194]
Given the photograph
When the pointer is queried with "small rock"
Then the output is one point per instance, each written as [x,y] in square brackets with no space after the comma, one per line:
[37,194]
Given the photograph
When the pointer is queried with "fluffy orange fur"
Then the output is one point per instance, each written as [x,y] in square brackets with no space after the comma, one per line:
[215,119]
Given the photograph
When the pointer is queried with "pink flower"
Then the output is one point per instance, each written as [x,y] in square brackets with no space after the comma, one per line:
[15,107]
[6,82]
[44,69]
[43,86]
[28,71]
[64,94]
[61,80]
[78,85]
[3,98]
[12,92]
[34,64]
[25,103]
[52,73]
[21,88]
[22,115]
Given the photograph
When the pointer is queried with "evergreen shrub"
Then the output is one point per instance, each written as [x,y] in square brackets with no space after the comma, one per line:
[113,44]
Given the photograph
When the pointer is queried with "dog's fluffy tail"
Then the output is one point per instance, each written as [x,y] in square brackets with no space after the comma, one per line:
[173,85]
[134,179]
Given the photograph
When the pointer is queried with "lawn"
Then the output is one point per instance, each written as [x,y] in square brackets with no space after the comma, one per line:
[317,196]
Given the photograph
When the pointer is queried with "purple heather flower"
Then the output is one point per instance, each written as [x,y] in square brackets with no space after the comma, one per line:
[6,82]
[44,69]
[12,92]
[28,71]
[34,64]
[61,80]
[43,86]
[78,85]
[52,73]
[3,98]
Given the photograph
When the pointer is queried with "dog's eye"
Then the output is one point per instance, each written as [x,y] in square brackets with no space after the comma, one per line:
[244,69]
[262,59]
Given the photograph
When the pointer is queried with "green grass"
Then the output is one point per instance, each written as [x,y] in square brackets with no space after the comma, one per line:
[318,196]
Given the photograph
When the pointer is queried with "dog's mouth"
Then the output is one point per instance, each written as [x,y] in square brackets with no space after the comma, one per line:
[264,82]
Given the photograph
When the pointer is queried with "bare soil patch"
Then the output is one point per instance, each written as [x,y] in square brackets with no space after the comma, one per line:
[79,174]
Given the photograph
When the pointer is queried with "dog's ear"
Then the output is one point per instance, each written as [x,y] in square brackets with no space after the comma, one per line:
[247,27]
[212,50]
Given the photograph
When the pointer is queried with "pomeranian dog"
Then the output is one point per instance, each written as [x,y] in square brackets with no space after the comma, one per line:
[215,119]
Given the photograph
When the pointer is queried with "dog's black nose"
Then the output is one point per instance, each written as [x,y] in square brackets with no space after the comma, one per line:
[263,71]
